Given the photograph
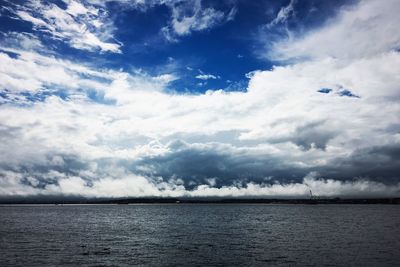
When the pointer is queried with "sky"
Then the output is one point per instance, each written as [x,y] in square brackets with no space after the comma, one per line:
[196,98]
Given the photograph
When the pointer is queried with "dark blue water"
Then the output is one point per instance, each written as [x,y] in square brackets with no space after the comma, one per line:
[200,235]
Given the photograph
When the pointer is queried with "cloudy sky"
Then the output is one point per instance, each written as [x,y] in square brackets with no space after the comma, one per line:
[135,98]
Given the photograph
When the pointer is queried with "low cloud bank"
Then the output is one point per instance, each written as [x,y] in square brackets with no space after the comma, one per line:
[139,186]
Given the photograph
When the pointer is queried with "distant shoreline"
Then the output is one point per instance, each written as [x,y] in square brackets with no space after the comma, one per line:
[122,201]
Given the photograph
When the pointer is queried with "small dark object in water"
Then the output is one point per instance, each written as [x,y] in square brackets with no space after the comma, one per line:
[106,252]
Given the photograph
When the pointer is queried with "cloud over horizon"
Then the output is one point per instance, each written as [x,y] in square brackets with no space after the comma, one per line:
[325,117]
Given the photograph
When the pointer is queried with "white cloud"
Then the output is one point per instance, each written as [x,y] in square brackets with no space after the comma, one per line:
[191,16]
[21,40]
[207,77]
[32,72]
[83,27]
[166,78]
[138,186]
[201,19]
[361,30]
[75,8]
[187,16]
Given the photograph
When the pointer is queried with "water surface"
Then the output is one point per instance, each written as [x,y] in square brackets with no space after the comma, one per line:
[200,235]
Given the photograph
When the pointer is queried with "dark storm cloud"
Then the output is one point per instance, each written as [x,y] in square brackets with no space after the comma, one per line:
[42,173]
[380,163]
[313,135]
[194,165]
[307,136]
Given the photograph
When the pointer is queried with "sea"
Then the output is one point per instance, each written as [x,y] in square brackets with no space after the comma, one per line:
[200,235]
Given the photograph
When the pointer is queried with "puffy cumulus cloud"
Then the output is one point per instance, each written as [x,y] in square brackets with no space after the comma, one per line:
[82,26]
[113,133]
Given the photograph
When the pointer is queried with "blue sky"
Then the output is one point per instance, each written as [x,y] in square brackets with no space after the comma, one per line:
[199,98]
[227,49]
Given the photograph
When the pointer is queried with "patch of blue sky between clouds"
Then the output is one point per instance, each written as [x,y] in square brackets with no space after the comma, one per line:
[340,90]
[325,90]
[348,93]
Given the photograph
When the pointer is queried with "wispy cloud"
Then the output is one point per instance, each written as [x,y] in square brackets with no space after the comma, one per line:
[284,14]
[348,35]
[192,16]
[81,26]
[207,77]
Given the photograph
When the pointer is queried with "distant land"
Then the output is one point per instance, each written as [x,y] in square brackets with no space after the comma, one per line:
[167,200]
